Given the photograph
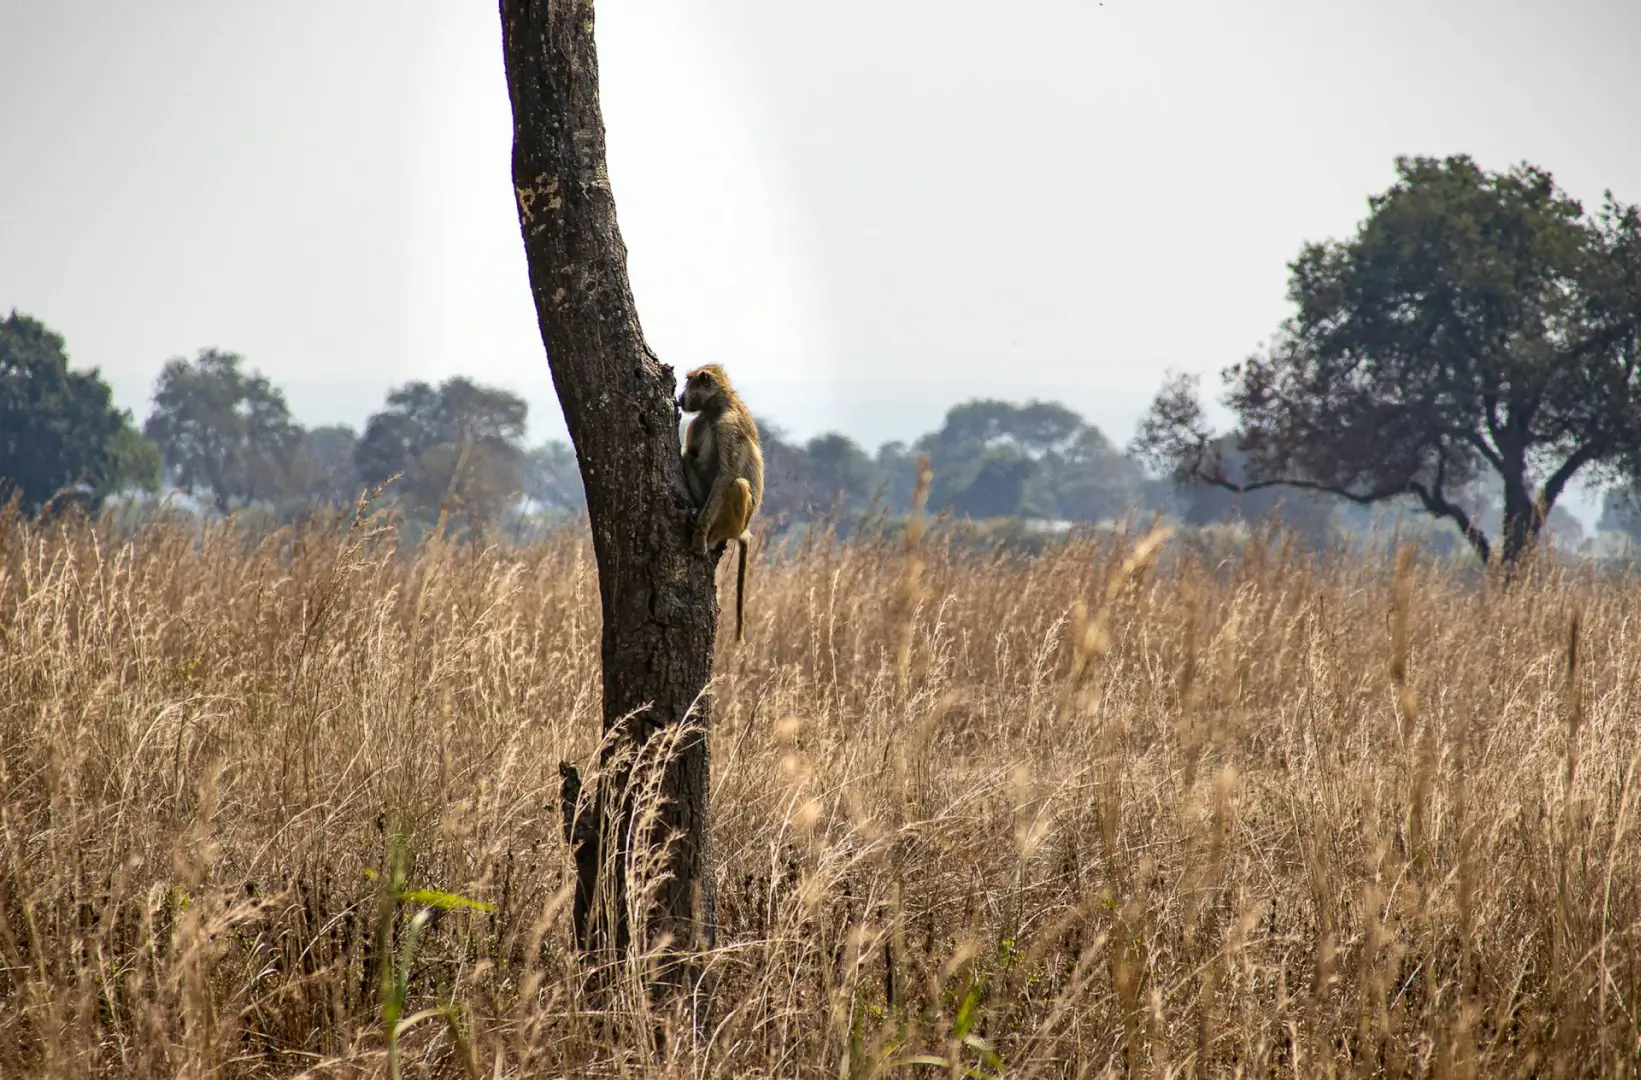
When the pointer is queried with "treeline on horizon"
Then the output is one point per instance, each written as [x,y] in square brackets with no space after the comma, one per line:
[221,435]
[1453,367]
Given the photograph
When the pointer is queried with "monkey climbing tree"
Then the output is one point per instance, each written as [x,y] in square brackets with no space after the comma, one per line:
[659,600]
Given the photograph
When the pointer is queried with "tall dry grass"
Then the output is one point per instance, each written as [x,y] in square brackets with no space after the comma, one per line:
[1115,809]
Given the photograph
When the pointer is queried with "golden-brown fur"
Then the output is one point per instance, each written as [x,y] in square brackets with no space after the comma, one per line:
[723,467]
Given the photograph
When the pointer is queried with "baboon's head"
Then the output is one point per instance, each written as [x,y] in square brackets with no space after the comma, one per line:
[702,388]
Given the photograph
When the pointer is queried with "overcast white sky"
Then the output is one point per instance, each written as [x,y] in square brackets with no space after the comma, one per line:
[868,209]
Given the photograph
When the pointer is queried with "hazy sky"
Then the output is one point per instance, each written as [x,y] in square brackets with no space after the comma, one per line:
[867,209]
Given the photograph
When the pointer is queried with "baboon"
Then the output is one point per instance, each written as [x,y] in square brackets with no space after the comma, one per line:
[723,468]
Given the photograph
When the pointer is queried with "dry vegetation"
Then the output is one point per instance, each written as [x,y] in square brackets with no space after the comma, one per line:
[1121,812]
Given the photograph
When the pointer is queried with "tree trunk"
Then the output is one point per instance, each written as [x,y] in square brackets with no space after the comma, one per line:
[1520,527]
[659,602]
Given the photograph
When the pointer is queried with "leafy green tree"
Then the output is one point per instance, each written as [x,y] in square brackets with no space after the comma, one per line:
[998,486]
[457,448]
[1041,459]
[222,432]
[134,461]
[841,469]
[1041,428]
[60,435]
[1476,323]
[323,472]
[958,450]
[1088,479]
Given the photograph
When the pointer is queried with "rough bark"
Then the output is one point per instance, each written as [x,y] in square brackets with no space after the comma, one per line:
[658,598]
[1520,525]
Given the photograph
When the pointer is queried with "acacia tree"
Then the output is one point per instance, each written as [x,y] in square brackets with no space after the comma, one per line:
[1477,322]
[658,597]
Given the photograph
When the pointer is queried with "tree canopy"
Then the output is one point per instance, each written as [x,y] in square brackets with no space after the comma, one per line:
[1476,323]
[1041,459]
[991,459]
[323,472]
[61,438]
[456,447]
[222,432]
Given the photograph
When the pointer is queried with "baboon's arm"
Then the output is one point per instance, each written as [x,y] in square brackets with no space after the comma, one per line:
[728,470]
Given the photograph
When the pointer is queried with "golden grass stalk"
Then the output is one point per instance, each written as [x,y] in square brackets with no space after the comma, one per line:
[1243,811]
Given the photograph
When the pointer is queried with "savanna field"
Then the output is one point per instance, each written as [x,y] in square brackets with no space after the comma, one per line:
[1130,806]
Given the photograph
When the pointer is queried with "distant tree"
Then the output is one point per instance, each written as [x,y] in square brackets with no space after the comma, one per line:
[1041,428]
[1476,323]
[323,472]
[793,491]
[1304,512]
[807,481]
[457,447]
[895,465]
[997,459]
[1087,479]
[223,432]
[957,449]
[841,470]
[552,479]
[134,461]
[1621,511]
[60,435]
[998,486]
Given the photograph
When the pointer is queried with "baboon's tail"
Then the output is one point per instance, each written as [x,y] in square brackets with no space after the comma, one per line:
[743,514]
[743,542]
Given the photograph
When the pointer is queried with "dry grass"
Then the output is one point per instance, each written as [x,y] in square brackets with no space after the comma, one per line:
[1162,813]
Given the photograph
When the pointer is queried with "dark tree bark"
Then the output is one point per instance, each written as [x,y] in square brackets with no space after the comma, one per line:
[1521,523]
[659,600]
